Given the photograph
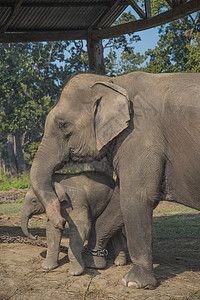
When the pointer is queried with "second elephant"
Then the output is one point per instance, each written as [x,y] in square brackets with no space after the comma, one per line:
[83,198]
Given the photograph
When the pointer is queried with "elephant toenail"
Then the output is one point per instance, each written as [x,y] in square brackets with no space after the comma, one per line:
[124,282]
[133,284]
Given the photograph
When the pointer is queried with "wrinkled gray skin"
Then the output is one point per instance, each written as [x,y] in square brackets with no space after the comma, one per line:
[83,198]
[148,125]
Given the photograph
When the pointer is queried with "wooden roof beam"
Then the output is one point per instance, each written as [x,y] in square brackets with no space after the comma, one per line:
[41,36]
[137,9]
[108,13]
[134,26]
[170,3]
[11,16]
[148,8]
[177,2]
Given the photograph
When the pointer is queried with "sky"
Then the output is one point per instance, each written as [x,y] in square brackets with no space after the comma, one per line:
[149,39]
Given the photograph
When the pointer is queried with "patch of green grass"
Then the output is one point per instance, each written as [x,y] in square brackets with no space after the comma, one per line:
[177,226]
[165,208]
[8,183]
[36,224]
[11,209]
[173,221]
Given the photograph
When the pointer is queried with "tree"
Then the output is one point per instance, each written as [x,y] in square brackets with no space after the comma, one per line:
[121,57]
[27,92]
[177,49]
[193,56]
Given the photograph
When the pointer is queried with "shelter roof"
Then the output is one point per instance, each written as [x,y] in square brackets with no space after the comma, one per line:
[46,20]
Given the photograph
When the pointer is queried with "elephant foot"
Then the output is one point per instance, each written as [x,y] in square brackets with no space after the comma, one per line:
[120,260]
[75,268]
[138,277]
[94,262]
[50,263]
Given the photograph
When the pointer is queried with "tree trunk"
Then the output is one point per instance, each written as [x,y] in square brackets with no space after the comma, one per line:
[11,155]
[1,158]
[21,166]
[95,55]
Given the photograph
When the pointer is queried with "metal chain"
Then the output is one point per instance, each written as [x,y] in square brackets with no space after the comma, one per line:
[19,239]
[23,240]
[7,239]
[100,253]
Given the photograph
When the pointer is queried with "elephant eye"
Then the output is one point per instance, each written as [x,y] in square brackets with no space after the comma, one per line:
[66,128]
[34,200]
[62,125]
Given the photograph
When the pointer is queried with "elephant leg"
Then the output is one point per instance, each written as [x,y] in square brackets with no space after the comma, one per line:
[138,194]
[79,227]
[139,241]
[120,255]
[107,224]
[53,242]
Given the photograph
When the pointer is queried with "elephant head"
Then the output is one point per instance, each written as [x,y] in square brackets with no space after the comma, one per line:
[31,206]
[90,113]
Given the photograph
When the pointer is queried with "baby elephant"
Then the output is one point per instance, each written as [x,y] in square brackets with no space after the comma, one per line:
[83,196]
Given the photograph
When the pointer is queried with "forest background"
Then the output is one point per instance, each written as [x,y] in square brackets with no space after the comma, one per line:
[32,76]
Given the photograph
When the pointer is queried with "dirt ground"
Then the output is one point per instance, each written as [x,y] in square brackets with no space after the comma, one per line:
[176,265]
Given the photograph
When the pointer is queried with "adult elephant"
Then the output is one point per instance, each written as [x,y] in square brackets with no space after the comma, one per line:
[148,125]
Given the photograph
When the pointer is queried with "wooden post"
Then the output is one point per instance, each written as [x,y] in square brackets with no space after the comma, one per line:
[95,56]
[148,8]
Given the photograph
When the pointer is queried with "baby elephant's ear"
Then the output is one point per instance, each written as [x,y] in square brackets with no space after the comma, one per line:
[112,111]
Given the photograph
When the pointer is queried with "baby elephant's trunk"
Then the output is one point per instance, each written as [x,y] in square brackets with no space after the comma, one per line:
[24,225]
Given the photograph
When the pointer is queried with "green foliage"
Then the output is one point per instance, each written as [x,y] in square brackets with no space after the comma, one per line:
[129,61]
[8,183]
[110,63]
[158,6]
[174,52]
[193,56]
[20,200]
[30,151]
[28,91]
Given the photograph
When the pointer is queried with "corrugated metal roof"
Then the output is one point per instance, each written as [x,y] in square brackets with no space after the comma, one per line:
[54,20]
[56,15]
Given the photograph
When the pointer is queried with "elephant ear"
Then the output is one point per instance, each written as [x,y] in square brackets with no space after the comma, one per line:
[112,112]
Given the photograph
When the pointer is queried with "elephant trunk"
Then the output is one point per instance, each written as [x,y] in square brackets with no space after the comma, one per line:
[24,225]
[47,159]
